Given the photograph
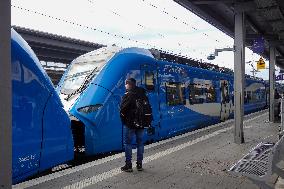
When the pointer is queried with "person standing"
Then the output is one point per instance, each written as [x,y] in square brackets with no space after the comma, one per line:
[128,111]
[277,104]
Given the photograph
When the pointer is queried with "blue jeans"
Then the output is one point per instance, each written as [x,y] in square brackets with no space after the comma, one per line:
[129,133]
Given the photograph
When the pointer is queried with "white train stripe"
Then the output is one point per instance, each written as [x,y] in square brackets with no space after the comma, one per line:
[59,174]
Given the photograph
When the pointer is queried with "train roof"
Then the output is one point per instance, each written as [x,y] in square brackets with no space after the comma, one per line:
[89,56]
[112,50]
[20,43]
[163,56]
[173,58]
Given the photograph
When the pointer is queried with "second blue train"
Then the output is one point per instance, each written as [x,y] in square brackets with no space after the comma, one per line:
[182,97]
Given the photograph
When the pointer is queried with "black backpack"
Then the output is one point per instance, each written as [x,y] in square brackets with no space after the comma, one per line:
[143,113]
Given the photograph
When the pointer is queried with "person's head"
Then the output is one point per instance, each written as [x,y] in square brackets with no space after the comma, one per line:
[130,83]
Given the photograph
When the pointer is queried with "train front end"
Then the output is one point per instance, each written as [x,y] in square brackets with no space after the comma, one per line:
[42,136]
[83,97]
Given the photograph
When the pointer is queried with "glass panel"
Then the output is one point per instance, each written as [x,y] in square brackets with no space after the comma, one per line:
[248,96]
[245,98]
[201,91]
[254,96]
[210,93]
[225,91]
[175,94]
[196,94]
[149,80]
[85,67]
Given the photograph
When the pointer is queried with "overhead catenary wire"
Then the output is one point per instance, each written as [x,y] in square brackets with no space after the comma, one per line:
[181,21]
[98,30]
[119,15]
[84,26]
[176,18]
[102,31]
[138,24]
[92,28]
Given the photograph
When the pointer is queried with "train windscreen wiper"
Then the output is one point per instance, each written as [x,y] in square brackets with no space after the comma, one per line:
[63,90]
[83,86]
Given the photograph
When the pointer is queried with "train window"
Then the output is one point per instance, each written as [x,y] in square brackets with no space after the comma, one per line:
[254,96]
[210,93]
[175,93]
[225,91]
[196,94]
[248,97]
[149,80]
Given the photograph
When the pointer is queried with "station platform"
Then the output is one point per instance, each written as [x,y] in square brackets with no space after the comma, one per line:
[199,159]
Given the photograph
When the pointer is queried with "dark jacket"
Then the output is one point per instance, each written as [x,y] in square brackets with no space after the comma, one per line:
[128,105]
[276,95]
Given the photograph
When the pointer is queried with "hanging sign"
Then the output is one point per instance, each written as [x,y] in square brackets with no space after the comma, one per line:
[279,77]
[258,45]
[260,64]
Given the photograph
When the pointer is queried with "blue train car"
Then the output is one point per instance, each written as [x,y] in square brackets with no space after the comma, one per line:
[183,98]
[41,129]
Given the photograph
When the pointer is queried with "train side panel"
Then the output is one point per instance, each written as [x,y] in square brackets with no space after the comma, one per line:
[57,144]
[32,91]
[254,96]
[29,97]
[184,104]
[183,98]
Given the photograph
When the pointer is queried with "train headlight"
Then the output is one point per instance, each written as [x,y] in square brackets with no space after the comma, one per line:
[90,109]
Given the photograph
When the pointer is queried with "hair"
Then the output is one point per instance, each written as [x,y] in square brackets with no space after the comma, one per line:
[131,81]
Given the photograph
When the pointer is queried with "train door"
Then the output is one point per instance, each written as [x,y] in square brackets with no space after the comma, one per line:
[150,83]
[225,100]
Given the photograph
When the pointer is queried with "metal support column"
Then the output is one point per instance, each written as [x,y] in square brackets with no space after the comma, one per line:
[239,76]
[5,96]
[271,83]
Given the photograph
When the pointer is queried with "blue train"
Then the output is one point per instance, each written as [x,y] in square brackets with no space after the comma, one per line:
[42,136]
[182,97]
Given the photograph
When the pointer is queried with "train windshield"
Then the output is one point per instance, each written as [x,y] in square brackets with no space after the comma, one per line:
[84,68]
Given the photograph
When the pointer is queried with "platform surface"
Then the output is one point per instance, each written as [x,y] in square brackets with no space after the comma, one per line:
[199,159]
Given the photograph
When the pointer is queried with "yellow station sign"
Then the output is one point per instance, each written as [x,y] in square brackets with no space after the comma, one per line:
[260,64]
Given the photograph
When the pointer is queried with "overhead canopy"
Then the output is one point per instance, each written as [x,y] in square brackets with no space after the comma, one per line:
[55,48]
[264,18]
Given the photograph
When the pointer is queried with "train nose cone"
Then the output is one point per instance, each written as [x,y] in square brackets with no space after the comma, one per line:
[68,102]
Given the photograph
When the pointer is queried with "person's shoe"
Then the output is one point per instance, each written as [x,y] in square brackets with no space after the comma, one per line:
[139,166]
[127,168]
